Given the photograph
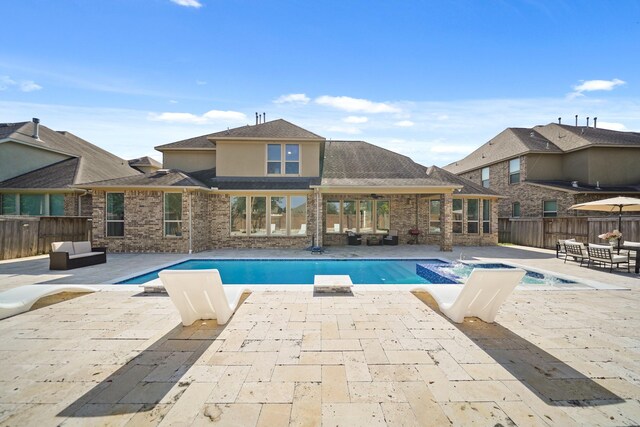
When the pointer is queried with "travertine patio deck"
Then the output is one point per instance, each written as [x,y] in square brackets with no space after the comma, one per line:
[120,358]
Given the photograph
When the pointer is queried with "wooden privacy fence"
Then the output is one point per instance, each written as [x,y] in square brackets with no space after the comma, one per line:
[22,236]
[545,232]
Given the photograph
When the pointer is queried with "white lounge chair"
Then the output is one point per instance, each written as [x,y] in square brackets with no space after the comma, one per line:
[21,299]
[481,296]
[303,229]
[199,294]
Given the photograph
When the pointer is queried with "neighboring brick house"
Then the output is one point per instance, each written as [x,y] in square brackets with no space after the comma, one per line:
[40,169]
[275,184]
[543,171]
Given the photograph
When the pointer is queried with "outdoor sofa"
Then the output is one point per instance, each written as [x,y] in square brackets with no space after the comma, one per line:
[391,238]
[68,255]
[603,254]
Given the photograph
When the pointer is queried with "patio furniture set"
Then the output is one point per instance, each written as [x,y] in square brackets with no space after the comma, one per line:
[390,238]
[605,255]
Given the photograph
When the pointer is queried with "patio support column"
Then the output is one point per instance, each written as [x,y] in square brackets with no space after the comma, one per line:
[446,226]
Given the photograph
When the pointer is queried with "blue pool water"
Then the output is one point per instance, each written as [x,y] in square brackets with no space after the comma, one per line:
[251,271]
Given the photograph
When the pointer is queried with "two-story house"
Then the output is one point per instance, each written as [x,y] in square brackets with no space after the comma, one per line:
[544,170]
[40,169]
[275,184]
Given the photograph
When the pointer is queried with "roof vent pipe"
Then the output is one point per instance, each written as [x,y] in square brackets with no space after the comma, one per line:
[574,184]
[36,128]
[559,120]
[264,117]
[256,117]
[576,120]
[595,122]
[587,121]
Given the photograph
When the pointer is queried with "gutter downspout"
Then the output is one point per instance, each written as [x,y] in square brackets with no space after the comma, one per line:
[317,191]
[190,225]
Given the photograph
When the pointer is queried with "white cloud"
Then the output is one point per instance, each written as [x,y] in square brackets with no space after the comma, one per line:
[7,83]
[594,85]
[201,82]
[188,3]
[347,103]
[612,126]
[349,130]
[292,98]
[355,119]
[173,101]
[29,86]
[206,118]
[404,123]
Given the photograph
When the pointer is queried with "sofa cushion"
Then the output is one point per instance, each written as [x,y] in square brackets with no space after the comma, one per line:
[85,255]
[63,247]
[82,247]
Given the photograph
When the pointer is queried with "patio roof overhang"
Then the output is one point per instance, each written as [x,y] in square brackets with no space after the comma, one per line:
[404,189]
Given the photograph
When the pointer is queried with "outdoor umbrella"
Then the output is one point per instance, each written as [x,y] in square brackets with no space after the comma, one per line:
[616,204]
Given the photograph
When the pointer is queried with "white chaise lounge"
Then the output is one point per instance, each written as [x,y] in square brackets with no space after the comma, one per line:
[199,294]
[481,296]
[21,299]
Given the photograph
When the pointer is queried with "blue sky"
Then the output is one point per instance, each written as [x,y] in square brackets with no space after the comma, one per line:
[432,80]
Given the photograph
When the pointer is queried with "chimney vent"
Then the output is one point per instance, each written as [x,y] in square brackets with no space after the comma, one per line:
[559,120]
[595,122]
[256,117]
[587,121]
[36,128]
[264,117]
[576,120]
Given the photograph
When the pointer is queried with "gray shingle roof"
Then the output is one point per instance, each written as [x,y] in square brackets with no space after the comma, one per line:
[276,129]
[96,163]
[145,161]
[468,187]
[587,188]
[57,175]
[161,178]
[551,138]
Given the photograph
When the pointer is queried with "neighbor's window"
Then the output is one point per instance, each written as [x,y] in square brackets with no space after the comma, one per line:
[9,204]
[514,171]
[515,210]
[258,215]
[349,215]
[278,221]
[472,216]
[56,204]
[238,215]
[486,216]
[332,216]
[457,216]
[173,214]
[32,204]
[298,215]
[485,177]
[292,159]
[382,216]
[550,208]
[115,214]
[274,159]
[434,217]
[366,216]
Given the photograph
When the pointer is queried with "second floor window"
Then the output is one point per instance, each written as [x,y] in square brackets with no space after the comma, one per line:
[485,177]
[283,159]
[514,171]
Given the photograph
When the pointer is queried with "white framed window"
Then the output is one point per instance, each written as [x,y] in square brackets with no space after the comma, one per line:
[549,208]
[434,216]
[486,216]
[514,171]
[283,159]
[515,209]
[173,214]
[457,216]
[485,177]
[268,215]
[472,216]
[115,214]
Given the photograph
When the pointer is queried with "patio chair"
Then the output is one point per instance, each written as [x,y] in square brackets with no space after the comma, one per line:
[303,229]
[560,249]
[354,239]
[481,296]
[603,254]
[575,250]
[21,299]
[391,238]
[199,294]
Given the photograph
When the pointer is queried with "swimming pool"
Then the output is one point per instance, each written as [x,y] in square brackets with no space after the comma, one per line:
[290,271]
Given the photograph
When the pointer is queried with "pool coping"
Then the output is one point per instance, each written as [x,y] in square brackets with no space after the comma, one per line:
[155,286]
